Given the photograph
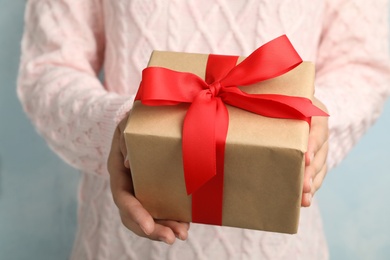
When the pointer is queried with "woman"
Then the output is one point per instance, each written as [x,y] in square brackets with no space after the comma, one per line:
[66,44]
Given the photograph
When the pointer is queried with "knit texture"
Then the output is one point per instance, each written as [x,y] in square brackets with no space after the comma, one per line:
[67,43]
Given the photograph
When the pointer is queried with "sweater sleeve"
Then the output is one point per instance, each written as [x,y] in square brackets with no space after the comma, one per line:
[353,73]
[58,86]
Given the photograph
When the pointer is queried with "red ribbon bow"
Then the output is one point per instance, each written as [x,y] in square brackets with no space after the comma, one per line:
[206,121]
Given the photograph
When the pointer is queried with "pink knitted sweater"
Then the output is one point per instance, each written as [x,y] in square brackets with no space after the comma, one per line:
[66,43]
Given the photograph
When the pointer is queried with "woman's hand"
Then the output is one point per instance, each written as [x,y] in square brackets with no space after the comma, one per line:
[134,216]
[315,157]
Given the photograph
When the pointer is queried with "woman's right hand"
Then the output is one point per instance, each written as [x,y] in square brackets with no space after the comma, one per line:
[134,216]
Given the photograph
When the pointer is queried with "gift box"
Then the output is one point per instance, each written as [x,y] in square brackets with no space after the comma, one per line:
[259,166]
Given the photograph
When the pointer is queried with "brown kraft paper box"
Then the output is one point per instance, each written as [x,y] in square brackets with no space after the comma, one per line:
[264,157]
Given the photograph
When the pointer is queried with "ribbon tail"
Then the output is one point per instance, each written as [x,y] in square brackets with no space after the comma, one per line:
[198,143]
[207,201]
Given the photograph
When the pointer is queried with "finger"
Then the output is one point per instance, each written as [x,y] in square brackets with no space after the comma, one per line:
[318,180]
[135,212]
[314,145]
[320,159]
[115,158]
[122,143]
[309,155]
[122,189]
[159,233]
[123,149]
[307,179]
[314,168]
[179,228]
[307,186]
[314,175]
[120,176]
[306,200]
[317,137]
[133,215]
[316,154]
[164,234]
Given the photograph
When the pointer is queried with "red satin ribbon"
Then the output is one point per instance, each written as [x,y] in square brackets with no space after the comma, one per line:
[206,122]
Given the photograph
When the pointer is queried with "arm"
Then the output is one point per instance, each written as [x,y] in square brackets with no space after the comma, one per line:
[62,53]
[353,80]
[353,73]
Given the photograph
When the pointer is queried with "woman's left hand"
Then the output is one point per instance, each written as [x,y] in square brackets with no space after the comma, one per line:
[315,157]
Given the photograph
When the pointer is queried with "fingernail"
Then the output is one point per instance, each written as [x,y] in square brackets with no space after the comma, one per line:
[144,230]
[163,239]
[311,183]
[179,237]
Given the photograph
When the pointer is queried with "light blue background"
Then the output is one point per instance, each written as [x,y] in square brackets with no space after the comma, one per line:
[38,192]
